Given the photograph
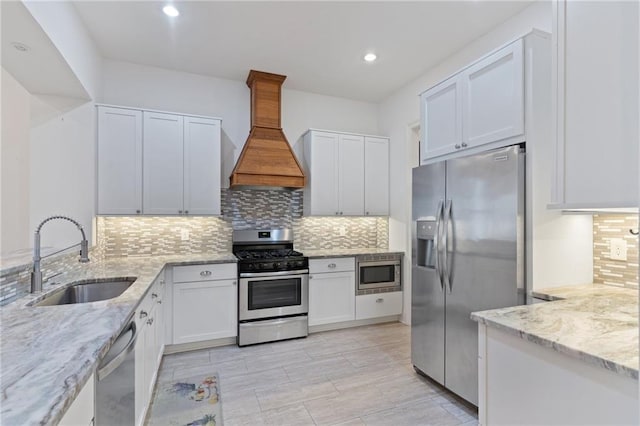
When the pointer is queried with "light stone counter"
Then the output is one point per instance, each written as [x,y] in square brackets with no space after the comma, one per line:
[48,353]
[597,324]
[338,252]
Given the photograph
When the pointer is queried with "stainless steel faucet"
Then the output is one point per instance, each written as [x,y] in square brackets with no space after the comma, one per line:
[36,274]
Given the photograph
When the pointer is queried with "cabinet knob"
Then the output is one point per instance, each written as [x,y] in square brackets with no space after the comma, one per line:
[464,144]
[457,146]
[186,212]
[367,213]
[310,277]
[337,213]
[235,282]
[379,300]
[179,211]
[205,273]
[138,211]
[331,265]
[159,302]
[143,314]
[340,213]
[150,321]
[154,295]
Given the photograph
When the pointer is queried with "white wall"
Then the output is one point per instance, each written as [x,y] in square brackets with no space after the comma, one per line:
[14,154]
[136,85]
[402,109]
[57,165]
[62,174]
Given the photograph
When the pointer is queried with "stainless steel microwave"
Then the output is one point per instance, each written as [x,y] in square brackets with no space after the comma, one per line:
[375,273]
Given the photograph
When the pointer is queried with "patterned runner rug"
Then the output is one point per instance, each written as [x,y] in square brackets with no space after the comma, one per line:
[190,401]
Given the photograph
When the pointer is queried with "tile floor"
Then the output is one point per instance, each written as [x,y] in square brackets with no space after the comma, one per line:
[355,376]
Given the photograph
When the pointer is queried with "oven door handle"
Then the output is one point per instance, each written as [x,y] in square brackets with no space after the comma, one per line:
[273,274]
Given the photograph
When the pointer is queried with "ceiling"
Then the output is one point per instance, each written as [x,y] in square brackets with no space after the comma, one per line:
[318,45]
[17,25]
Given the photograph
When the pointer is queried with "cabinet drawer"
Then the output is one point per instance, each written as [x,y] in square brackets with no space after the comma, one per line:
[378,305]
[194,273]
[338,264]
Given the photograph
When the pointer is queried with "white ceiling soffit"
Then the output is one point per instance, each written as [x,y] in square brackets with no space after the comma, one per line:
[41,70]
[318,45]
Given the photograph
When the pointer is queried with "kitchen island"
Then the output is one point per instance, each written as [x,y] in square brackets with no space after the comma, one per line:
[568,361]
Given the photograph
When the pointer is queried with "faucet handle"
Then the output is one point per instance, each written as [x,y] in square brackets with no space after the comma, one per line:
[84,251]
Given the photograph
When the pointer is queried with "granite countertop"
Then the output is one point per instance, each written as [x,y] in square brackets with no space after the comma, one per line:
[48,353]
[346,252]
[597,324]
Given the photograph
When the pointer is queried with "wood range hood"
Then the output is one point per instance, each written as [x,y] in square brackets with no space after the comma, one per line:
[267,158]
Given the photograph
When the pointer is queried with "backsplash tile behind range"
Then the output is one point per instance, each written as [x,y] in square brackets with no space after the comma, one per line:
[615,272]
[241,209]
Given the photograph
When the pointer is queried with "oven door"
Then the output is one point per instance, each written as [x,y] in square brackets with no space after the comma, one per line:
[273,294]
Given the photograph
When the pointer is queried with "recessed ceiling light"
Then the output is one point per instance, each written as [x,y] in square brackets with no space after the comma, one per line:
[370,57]
[20,47]
[170,11]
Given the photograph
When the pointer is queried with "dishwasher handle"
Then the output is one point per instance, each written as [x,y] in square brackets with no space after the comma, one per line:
[104,371]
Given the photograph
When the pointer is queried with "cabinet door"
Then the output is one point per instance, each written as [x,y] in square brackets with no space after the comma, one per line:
[323,177]
[332,297]
[493,97]
[141,387]
[596,92]
[376,176]
[204,310]
[119,161]
[201,166]
[351,175]
[441,123]
[163,163]
[81,411]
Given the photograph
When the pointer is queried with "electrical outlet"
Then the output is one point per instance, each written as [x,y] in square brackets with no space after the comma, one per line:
[618,249]
[184,234]
[342,231]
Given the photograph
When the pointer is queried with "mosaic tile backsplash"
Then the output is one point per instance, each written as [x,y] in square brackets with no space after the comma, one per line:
[241,209]
[623,273]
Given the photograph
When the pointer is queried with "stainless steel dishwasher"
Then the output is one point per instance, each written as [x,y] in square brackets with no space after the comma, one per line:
[115,388]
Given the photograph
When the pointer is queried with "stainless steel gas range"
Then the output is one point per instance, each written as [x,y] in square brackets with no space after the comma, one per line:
[273,295]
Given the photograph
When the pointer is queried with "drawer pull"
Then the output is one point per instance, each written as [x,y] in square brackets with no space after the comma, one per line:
[235,283]
[332,265]
[205,273]
[380,300]
[154,296]
[143,314]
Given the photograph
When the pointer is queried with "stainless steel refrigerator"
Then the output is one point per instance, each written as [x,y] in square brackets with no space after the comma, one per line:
[467,255]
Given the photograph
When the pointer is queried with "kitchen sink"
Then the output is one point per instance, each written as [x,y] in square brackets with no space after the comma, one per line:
[84,292]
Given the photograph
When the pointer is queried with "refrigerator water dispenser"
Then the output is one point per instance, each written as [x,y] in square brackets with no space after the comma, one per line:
[426,243]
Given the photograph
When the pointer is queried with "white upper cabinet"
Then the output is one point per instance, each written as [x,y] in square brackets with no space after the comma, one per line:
[351,175]
[595,55]
[321,194]
[338,175]
[493,93]
[163,163]
[376,176]
[441,119]
[201,176]
[156,163]
[480,106]
[119,161]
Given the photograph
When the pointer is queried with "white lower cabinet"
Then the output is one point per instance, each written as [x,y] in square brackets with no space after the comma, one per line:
[205,303]
[81,412]
[332,289]
[149,347]
[378,305]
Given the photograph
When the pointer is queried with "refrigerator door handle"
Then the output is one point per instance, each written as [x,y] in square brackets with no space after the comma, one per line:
[437,244]
[445,246]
